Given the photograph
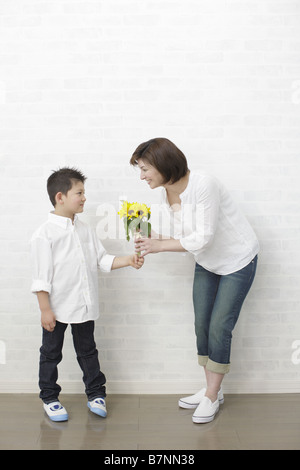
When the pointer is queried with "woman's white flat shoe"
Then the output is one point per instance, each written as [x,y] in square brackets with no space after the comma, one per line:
[206,411]
[194,400]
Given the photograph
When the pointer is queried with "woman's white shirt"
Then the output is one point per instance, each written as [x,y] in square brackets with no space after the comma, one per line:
[211,226]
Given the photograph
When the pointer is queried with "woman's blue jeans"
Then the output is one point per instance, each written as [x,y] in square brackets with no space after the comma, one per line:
[87,357]
[217,303]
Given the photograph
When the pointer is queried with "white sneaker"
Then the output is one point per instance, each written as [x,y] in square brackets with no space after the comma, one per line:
[56,411]
[206,411]
[98,407]
[194,400]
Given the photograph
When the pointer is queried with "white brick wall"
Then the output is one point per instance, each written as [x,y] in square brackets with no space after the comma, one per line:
[83,83]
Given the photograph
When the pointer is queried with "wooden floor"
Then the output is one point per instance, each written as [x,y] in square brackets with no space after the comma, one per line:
[152,422]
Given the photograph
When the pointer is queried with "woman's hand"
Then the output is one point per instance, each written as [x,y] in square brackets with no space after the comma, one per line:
[146,246]
[150,245]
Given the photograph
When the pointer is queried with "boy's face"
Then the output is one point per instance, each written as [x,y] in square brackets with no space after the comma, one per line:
[72,202]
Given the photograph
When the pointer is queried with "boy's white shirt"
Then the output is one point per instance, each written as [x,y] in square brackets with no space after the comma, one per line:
[65,258]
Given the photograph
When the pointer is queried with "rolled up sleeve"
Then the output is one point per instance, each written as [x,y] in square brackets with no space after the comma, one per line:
[41,265]
[106,262]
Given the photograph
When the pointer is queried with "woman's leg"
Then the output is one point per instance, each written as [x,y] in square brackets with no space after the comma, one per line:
[217,304]
[214,381]
[231,294]
[205,289]
[232,291]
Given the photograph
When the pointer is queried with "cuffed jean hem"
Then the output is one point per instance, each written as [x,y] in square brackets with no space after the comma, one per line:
[213,366]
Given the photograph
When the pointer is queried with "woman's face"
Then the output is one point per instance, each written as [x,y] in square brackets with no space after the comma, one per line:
[150,174]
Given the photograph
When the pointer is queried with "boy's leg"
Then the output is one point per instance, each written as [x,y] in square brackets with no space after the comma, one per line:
[87,357]
[50,357]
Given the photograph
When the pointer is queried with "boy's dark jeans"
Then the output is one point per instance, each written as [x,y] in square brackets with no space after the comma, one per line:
[87,357]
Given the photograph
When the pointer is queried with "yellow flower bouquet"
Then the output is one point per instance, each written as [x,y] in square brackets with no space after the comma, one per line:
[136,219]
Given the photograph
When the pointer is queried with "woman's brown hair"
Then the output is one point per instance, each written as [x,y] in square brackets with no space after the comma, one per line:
[164,156]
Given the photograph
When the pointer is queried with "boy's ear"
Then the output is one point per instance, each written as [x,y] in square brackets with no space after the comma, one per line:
[58,198]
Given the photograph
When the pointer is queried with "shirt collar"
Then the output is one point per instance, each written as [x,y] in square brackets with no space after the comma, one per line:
[64,222]
[182,195]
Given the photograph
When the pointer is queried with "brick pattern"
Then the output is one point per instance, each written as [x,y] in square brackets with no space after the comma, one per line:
[83,83]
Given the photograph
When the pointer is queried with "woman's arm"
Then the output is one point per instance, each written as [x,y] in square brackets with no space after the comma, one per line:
[204,218]
[149,245]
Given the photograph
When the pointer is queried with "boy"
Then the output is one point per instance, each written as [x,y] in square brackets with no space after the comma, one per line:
[65,256]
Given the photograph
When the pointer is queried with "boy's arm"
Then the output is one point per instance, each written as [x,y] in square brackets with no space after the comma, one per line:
[42,272]
[131,260]
[48,319]
[108,262]
[41,265]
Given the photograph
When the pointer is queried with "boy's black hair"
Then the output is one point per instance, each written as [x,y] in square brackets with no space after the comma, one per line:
[61,181]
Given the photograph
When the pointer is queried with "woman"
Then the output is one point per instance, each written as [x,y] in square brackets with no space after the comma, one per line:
[205,222]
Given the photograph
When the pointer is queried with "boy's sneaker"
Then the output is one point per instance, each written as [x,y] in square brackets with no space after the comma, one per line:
[98,407]
[194,400]
[56,411]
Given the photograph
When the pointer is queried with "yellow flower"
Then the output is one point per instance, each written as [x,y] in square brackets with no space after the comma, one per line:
[134,210]
[123,212]
[139,210]
[135,217]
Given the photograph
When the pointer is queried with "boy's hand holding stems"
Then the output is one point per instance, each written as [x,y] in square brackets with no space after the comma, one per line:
[134,261]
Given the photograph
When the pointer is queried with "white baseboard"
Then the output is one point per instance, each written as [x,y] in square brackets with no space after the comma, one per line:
[153,388]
